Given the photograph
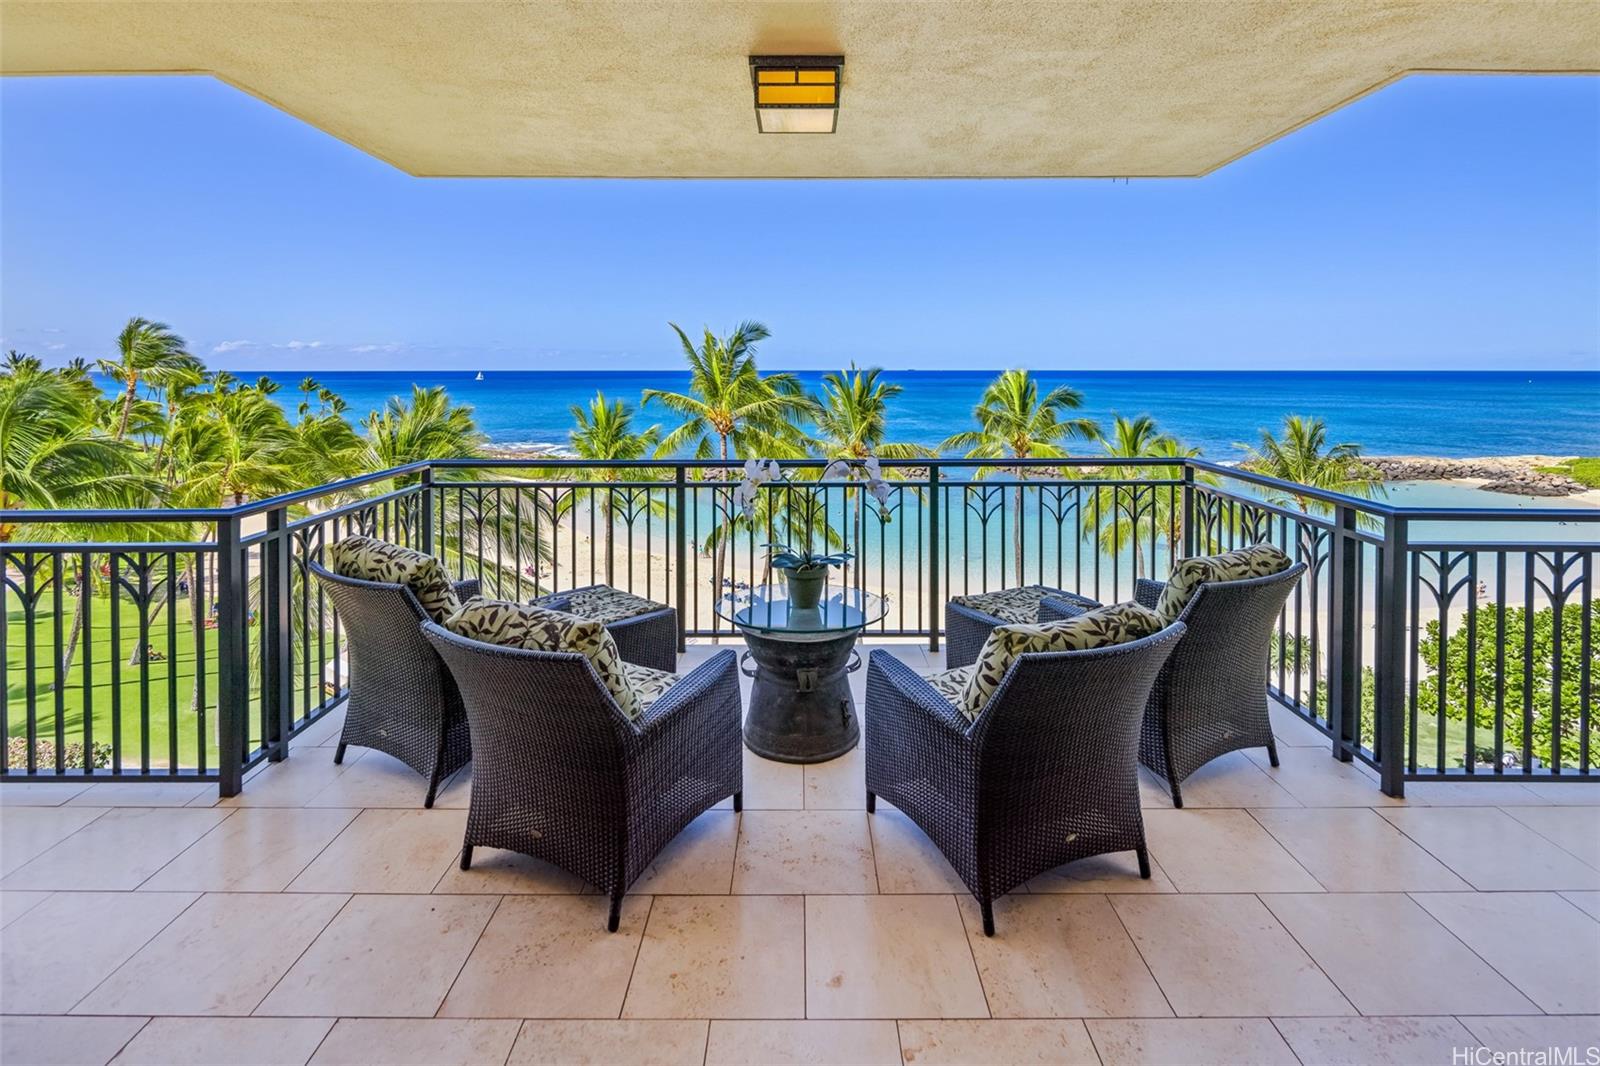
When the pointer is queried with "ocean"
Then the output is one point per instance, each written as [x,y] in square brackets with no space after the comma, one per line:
[1395,413]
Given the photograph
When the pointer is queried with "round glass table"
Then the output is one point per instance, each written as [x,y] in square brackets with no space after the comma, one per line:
[800,708]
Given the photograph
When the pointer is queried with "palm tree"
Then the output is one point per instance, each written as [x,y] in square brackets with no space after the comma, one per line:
[429,427]
[729,402]
[147,352]
[1014,421]
[852,418]
[731,411]
[1126,514]
[234,444]
[53,455]
[604,431]
[1304,457]
[851,422]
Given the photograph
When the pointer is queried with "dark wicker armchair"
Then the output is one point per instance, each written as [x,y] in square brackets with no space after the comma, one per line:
[1047,774]
[967,624]
[561,774]
[649,638]
[1211,697]
[402,700]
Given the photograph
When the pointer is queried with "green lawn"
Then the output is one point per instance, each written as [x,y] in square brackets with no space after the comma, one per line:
[169,682]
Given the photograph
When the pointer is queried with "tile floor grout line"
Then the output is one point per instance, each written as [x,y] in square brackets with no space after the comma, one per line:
[644,927]
[1474,951]
[1251,813]
[359,811]
[334,1024]
[1402,829]
[1089,1032]
[198,896]
[1510,812]
[290,968]
[103,812]
[1290,934]
[1147,967]
[184,850]
[972,953]
[1272,1021]
[499,901]
[318,936]
[131,1037]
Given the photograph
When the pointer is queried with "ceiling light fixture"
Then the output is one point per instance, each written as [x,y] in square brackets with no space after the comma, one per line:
[796,94]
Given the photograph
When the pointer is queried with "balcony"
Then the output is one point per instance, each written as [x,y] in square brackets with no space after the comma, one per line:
[1411,879]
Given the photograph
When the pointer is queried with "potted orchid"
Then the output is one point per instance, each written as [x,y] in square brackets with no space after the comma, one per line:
[805,570]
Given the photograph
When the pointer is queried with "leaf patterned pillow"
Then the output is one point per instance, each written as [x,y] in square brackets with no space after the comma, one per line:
[522,625]
[1099,628]
[1258,560]
[601,603]
[1008,605]
[371,559]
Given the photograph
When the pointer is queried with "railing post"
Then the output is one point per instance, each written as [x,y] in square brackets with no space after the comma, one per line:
[233,700]
[1391,709]
[1344,639]
[1188,510]
[277,697]
[680,556]
[425,544]
[935,605]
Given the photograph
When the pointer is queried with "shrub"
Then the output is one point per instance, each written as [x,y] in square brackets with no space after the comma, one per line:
[44,753]
[1544,689]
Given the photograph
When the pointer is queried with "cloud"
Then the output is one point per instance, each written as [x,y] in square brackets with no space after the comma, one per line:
[376,348]
[297,345]
[231,346]
[51,329]
[54,347]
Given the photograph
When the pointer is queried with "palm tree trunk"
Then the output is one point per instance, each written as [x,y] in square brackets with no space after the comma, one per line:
[70,652]
[724,542]
[1016,531]
[611,562]
[128,396]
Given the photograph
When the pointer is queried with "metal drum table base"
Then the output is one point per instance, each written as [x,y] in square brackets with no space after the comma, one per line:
[801,709]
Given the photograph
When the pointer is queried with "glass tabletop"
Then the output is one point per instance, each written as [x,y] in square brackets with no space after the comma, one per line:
[766,609]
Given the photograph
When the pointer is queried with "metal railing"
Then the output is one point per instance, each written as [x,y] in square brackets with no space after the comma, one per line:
[194,644]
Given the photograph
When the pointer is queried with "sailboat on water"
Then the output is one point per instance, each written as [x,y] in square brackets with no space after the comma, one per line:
[479,377]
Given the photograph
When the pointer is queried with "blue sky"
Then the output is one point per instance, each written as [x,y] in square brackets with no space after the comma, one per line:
[1447,222]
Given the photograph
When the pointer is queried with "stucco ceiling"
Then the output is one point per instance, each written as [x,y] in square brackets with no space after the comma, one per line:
[660,88]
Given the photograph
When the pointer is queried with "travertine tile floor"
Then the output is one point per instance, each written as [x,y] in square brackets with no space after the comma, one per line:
[1293,915]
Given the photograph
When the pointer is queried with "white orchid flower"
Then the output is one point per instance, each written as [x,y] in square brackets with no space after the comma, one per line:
[773,473]
[880,491]
[752,469]
[874,472]
[836,471]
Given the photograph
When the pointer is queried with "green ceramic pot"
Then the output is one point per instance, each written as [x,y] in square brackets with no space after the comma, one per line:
[806,586]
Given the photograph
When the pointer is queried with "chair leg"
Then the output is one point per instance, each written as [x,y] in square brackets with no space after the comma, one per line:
[466,857]
[338,753]
[872,802]
[1177,795]
[615,918]
[738,802]
[988,916]
[1272,750]
[1144,863]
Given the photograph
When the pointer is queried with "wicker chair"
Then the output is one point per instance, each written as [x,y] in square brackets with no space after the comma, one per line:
[561,774]
[968,624]
[1211,697]
[402,700]
[1046,775]
[649,638]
